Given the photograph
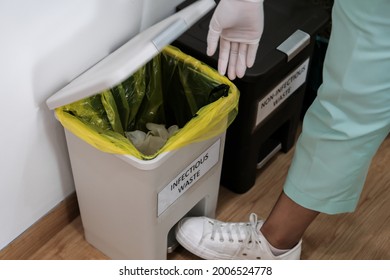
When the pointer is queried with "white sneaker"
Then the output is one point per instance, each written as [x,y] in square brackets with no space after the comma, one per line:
[214,240]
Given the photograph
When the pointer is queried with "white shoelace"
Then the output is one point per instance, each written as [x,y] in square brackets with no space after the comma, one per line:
[249,231]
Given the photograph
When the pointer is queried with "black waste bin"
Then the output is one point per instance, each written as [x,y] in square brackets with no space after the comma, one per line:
[272,91]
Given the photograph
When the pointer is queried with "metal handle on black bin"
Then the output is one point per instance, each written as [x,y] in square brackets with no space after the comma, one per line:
[294,44]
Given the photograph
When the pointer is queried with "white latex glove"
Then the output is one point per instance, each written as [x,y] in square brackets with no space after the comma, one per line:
[238,26]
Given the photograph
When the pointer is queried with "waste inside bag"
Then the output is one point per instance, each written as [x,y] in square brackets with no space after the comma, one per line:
[150,142]
[172,89]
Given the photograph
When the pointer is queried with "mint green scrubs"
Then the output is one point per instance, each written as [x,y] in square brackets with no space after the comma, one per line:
[350,117]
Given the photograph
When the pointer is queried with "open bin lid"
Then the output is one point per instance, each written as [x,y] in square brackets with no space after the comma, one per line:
[126,60]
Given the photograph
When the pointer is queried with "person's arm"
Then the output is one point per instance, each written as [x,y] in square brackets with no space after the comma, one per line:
[238,26]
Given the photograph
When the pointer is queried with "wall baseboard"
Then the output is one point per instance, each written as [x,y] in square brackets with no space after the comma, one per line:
[42,231]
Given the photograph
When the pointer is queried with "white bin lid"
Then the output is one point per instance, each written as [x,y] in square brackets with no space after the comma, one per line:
[122,63]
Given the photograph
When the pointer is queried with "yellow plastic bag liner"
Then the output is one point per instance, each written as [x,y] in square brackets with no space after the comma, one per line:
[172,89]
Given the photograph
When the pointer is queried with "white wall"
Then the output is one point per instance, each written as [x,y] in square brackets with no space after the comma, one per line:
[156,10]
[43,45]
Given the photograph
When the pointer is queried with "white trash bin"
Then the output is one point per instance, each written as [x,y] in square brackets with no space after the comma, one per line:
[129,215]
[128,206]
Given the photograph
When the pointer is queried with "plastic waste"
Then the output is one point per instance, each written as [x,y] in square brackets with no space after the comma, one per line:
[150,142]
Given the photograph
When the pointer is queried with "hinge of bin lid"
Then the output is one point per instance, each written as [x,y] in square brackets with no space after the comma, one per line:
[294,44]
[172,32]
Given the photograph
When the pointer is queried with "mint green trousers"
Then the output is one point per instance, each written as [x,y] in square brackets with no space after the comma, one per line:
[350,117]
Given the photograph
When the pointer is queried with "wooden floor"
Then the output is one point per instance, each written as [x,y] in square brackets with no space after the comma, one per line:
[364,234]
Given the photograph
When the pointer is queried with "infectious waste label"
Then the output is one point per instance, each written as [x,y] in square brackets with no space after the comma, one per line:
[281,92]
[188,177]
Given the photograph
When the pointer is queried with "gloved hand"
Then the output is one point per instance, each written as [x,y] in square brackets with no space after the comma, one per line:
[238,25]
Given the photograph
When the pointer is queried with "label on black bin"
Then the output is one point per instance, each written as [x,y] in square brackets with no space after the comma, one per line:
[281,92]
[188,177]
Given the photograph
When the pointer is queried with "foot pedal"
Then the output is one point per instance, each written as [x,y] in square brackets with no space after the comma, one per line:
[172,242]
[270,148]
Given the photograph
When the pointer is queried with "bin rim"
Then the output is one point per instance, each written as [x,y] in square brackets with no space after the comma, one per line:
[149,164]
[122,63]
